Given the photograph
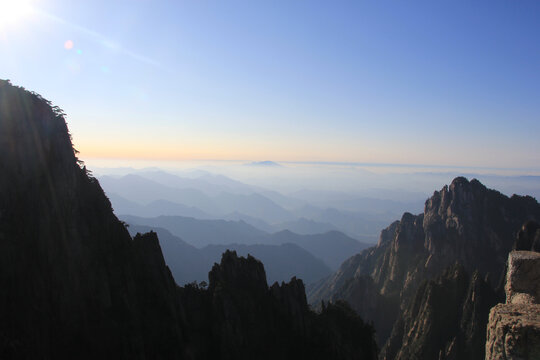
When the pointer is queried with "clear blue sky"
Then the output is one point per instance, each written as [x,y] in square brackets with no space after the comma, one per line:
[415,82]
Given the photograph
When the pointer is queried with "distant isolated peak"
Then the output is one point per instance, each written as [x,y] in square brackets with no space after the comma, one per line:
[263,163]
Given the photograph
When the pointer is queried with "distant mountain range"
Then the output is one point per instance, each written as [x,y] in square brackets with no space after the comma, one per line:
[188,263]
[200,233]
[264,163]
[332,247]
[121,205]
[305,226]
[145,191]
[76,285]
[363,226]
[360,204]
[154,193]
[210,184]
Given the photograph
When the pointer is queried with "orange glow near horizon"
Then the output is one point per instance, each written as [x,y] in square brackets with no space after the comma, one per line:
[223,150]
[215,150]
[147,153]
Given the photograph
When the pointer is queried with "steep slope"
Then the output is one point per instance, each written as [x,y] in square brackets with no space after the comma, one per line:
[75,285]
[446,319]
[187,263]
[464,223]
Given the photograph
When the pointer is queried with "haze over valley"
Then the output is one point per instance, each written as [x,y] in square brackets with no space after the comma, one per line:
[205,211]
[192,180]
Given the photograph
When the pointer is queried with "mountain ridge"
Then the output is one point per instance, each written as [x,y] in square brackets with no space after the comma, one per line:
[464,223]
[282,262]
[332,247]
[75,285]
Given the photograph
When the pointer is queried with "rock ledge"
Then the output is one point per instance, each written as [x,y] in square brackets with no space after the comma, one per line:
[513,330]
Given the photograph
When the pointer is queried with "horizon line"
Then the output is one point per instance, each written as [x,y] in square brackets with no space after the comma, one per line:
[325,162]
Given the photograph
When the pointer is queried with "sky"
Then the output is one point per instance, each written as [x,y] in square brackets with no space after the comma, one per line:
[446,83]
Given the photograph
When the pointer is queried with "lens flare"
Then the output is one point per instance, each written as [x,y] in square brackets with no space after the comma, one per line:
[68,45]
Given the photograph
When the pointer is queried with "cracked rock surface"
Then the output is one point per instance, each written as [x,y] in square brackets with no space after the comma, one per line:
[513,330]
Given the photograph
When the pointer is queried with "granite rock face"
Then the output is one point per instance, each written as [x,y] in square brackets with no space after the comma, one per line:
[513,331]
[523,278]
[76,285]
[445,320]
[464,223]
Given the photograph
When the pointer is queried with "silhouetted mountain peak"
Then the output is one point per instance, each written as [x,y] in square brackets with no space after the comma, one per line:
[148,243]
[408,218]
[238,273]
[74,278]
[34,135]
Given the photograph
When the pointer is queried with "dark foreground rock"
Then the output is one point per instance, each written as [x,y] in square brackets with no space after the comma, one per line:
[246,319]
[513,331]
[75,285]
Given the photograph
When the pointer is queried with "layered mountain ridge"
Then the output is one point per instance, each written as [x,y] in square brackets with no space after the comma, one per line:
[281,262]
[464,224]
[332,247]
[76,285]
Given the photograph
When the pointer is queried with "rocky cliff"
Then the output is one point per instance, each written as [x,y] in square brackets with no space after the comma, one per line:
[404,282]
[513,331]
[75,285]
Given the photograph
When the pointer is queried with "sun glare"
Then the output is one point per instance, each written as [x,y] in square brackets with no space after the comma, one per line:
[12,12]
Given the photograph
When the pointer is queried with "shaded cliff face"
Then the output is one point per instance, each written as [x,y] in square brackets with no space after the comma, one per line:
[446,319]
[528,238]
[75,285]
[463,223]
